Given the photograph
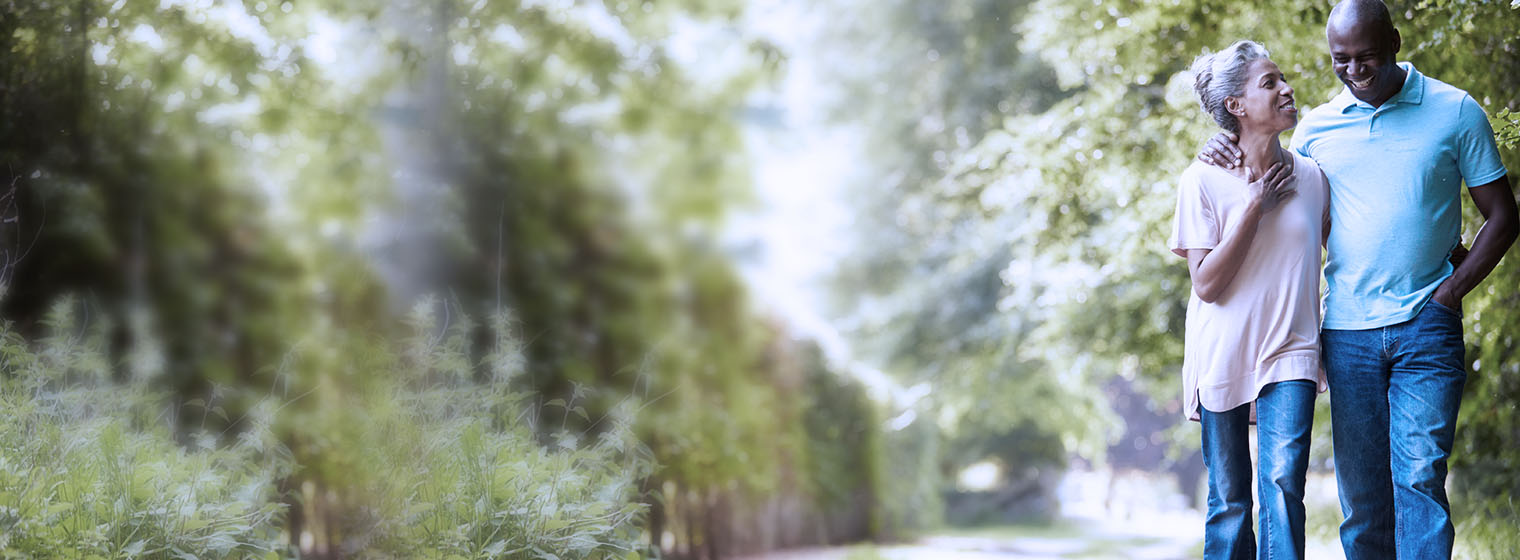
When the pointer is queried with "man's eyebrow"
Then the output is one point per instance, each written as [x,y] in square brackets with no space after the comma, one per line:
[1370,51]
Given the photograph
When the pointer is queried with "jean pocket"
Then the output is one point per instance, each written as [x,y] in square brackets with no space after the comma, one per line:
[1442,308]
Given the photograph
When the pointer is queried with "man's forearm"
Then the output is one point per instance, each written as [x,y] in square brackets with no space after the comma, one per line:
[1496,201]
[1493,240]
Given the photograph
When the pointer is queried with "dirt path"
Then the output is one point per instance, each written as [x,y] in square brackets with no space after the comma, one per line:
[1161,536]
[1155,538]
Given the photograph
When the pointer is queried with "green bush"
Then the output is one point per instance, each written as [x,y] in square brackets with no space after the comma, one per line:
[430,460]
[456,470]
[92,467]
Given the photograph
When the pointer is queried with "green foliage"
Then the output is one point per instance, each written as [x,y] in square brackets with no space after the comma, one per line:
[583,188]
[1486,455]
[453,468]
[908,499]
[162,153]
[433,461]
[929,284]
[844,458]
[210,174]
[90,467]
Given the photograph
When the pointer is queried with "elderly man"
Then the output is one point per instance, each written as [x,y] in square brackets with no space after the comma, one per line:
[1396,145]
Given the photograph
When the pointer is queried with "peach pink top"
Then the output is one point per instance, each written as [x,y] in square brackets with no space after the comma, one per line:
[1264,327]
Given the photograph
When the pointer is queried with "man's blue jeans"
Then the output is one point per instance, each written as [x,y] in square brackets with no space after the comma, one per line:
[1394,395]
[1284,414]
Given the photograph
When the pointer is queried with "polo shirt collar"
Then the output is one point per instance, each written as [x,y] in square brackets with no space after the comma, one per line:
[1412,93]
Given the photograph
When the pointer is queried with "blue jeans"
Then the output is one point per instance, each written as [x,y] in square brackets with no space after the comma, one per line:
[1394,395]
[1284,414]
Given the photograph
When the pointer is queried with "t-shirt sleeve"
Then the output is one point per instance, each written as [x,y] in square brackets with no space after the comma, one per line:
[1477,155]
[1299,144]
[1194,226]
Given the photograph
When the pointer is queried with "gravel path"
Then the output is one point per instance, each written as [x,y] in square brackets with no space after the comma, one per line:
[1156,538]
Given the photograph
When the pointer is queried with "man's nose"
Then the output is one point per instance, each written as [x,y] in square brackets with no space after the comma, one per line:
[1353,68]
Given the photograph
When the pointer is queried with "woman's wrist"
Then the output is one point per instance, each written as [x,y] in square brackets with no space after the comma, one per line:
[1254,209]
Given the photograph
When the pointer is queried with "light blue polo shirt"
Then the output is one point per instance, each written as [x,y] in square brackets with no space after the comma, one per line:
[1395,194]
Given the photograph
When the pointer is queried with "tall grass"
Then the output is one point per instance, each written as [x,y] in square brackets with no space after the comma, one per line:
[432,459]
[458,472]
[90,468]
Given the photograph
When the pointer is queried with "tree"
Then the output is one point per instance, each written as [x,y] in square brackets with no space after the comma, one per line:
[928,290]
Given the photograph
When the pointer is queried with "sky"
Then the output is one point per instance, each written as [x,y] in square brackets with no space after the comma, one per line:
[802,163]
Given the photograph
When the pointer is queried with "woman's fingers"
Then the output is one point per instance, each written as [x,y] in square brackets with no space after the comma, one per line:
[1282,179]
[1282,175]
[1273,177]
[1275,184]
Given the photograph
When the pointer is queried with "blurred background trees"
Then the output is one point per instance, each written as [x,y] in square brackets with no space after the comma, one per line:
[454,264]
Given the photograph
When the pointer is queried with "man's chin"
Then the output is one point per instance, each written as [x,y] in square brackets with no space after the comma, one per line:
[1362,94]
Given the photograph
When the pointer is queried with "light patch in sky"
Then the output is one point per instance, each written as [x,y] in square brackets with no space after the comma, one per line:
[604,25]
[323,42]
[145,34]
[802,164]
[244,26]
[979,477]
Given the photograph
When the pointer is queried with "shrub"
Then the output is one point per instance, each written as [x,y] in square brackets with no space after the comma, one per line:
[92,467]
[455,469]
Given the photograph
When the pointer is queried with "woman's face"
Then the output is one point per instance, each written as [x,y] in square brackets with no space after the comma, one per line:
[1267,104]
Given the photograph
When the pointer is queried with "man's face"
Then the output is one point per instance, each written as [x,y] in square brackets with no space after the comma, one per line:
[1364,60]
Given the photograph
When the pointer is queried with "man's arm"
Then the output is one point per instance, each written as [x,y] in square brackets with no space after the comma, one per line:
[1496,201]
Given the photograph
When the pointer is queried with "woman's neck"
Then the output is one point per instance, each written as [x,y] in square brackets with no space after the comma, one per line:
[1261,151]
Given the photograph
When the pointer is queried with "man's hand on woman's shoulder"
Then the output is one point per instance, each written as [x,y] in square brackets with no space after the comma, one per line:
[1221,151]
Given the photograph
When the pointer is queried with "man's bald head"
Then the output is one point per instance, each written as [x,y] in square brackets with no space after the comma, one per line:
[1364,47]
[1364,15]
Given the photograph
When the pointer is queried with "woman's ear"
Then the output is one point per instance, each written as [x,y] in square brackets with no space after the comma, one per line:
[1235,107]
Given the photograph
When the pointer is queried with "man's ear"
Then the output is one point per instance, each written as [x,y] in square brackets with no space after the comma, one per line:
[1397,41]
[1235,107]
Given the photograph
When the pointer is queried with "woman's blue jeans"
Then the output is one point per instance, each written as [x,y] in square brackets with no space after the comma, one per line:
[1284,415]
[1394,395]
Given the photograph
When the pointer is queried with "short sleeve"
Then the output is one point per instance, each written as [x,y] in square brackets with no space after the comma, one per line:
[1194,226]
[1477,155]
[1299,143]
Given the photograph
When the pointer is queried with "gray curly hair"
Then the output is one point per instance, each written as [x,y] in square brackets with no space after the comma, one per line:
[1217,76]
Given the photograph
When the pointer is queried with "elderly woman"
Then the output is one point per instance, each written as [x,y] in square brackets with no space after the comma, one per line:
[1252,236]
